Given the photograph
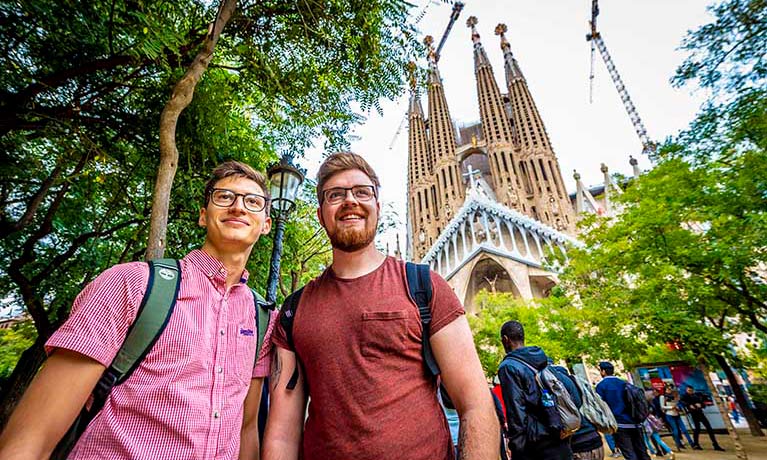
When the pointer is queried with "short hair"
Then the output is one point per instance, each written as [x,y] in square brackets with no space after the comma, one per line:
[607,366]
[513,330]
[343,161]
[236,169]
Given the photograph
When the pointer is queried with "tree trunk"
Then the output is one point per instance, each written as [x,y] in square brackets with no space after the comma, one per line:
[179,100]
[739,451]
[740,397]
[25,370]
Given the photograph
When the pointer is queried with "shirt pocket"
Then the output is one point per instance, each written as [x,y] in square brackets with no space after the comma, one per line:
[383,332]
[245,351]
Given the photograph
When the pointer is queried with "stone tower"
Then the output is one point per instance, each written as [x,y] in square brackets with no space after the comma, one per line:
[506,158]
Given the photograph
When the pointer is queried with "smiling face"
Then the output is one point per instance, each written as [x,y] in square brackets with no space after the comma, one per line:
[234,229]
[351,224]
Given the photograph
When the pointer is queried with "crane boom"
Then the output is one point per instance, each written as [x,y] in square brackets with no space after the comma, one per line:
[595,37]
[457,7]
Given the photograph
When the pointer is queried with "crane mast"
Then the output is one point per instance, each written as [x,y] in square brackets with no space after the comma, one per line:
[648,146]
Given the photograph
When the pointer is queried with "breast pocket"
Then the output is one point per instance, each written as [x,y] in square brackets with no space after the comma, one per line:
[383,332]
[245,351]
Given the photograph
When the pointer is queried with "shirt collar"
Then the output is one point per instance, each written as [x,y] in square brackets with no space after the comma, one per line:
[211,267]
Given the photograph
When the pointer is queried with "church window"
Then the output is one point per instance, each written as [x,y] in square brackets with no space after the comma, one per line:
[543,169]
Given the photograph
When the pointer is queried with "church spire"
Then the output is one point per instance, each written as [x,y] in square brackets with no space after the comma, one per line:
[496,127]
[422,202]
[536,162]
[449,187]
[513,72]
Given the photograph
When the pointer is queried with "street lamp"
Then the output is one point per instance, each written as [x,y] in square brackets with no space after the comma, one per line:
[285,181]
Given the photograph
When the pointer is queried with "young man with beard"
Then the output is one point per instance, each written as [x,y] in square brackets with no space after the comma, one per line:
[356,339]
[197,390]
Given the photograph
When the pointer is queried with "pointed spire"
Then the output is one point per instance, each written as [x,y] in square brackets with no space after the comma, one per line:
[513,72]
[635,166]
[581,194]
[397,251]
[608,189]
[434,78]
[415,99]
[480,57]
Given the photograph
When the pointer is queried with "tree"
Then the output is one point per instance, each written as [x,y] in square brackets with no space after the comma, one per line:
[81,92]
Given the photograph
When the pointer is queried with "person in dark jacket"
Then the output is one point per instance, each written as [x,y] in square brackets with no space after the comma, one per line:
[694,403]
[529,438]
[629,438]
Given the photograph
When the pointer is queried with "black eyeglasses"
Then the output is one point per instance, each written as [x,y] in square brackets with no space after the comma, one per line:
[360,193]
[224,198]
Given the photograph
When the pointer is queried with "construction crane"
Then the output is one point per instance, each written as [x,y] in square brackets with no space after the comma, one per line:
[648,146]
[457,8]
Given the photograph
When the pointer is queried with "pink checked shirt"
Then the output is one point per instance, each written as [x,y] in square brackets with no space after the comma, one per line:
[185,400]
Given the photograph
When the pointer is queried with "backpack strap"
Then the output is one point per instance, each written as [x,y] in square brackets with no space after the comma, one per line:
[263,314]
[287,315]
[419,285]
[151,319]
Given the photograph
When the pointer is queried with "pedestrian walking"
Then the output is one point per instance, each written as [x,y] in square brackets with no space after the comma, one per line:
[694,403]
[669,402]
[629,437]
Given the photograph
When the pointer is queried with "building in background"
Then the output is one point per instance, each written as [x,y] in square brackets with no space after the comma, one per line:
[486,201]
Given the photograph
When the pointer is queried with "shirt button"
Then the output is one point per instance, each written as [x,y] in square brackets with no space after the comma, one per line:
[221,332]
[216,414]
[210,274]
[219,369]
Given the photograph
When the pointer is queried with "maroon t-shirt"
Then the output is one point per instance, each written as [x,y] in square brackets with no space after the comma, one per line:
[360,343]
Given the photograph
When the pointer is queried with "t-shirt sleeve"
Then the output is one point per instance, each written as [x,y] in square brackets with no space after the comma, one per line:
[102,313]
[264,361]
[445,306]
[278,337]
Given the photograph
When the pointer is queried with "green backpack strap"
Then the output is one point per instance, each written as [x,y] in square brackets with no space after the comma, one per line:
[152,317]
[263,314]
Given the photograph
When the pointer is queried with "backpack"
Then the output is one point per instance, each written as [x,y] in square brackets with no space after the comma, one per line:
[151,319]
[637,403]
[595,409]
[419,288]
[554,394]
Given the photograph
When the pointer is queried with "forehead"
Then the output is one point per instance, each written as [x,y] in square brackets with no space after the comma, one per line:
[348,178]
[239,185]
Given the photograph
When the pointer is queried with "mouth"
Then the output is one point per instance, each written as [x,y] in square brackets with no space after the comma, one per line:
[351,217]
[236,222]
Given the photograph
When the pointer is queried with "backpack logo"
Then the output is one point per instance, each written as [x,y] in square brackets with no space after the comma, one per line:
[167,273]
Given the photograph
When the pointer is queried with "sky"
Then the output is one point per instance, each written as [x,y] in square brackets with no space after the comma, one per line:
[548,40]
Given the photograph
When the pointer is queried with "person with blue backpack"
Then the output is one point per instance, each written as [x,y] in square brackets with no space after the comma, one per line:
[630,435]
[162,360]
[366,345]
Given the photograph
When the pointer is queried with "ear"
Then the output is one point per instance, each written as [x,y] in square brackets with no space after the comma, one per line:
[319,216]
[201,220]
[267,225]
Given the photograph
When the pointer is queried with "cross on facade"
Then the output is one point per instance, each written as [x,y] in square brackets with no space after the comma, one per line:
[471,174]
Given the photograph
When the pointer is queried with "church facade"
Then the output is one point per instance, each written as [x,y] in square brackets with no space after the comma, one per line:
[487,203]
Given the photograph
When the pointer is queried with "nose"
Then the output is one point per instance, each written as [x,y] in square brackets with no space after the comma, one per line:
[349,197]
[238,205]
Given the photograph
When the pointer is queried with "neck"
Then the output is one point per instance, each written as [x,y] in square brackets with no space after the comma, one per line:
[234,261]
[357,263]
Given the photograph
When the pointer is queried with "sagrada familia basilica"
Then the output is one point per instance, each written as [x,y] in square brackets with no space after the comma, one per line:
[487,202]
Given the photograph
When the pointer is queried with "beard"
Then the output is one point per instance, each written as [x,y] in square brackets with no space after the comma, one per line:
[353,239]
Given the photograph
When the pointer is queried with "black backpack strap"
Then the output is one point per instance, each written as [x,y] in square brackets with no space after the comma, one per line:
[419,285]
[263,314]
[151,319]
[287,315]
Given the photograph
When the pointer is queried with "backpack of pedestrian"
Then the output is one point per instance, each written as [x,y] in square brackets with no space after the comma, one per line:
[638,405]
[557,405]
[595,409]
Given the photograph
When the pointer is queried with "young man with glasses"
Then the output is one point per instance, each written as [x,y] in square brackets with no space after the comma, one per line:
[356,340]
[197,389]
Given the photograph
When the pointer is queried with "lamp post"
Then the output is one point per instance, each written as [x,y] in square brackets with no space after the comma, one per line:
[285,181]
